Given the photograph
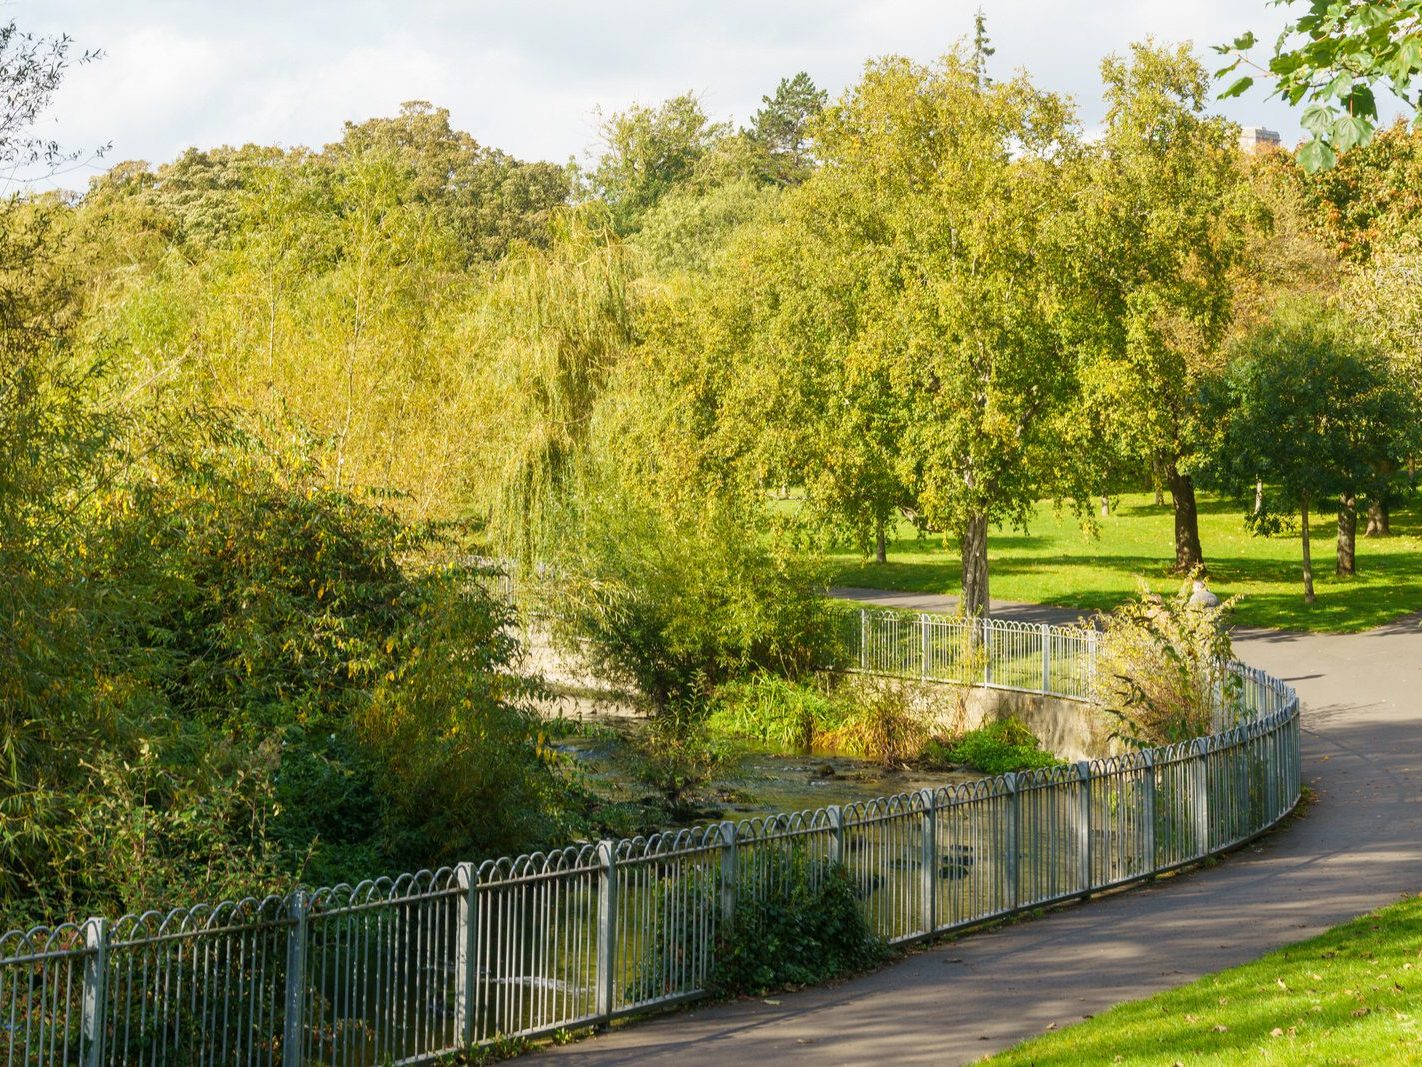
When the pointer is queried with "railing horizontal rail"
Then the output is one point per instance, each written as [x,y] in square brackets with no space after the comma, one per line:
[412,969]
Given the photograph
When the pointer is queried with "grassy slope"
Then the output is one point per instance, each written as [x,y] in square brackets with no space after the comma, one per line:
[1057,563]
[1350,996]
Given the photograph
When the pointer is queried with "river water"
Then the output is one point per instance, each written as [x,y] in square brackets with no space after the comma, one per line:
[755,780]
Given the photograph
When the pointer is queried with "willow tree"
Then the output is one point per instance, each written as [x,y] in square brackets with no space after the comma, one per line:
[544,338]
[1166,217]
[912,301]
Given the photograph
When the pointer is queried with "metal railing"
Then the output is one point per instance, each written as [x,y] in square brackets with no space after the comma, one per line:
[405,971]
[998,653]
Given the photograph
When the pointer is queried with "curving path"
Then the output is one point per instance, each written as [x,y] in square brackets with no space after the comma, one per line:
[1359,847]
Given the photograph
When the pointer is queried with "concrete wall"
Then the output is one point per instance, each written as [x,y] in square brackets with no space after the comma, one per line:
[1070,729]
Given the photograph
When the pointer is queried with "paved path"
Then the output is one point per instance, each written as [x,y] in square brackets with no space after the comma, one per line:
[1359,847]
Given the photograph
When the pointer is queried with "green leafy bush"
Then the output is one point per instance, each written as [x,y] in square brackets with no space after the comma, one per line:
[676,604]
[805,925]
[776,711]
[997,748]
[247,677]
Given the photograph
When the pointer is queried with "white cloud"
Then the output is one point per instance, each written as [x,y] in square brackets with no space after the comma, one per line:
[527,76]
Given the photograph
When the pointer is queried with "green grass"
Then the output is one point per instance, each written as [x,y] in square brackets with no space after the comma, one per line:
[1057,563]
[1349,996]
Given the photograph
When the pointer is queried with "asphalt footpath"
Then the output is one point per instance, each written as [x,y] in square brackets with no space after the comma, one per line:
[1358,847]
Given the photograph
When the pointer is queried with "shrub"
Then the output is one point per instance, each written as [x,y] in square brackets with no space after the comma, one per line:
[777,711]
[673,754]
[880,723]
[997,748]
[1161,668]
[276,680]
[798,922]
[675,604]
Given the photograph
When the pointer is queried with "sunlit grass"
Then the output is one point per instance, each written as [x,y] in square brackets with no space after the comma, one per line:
[1058,562]
[1349,996]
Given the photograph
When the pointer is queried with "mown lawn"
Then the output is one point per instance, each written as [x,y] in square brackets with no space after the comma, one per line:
[1350,996]
[1056,562]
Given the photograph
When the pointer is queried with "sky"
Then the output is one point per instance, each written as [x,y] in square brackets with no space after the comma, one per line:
[530,77]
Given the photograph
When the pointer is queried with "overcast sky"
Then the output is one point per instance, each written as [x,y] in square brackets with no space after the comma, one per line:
[527,77]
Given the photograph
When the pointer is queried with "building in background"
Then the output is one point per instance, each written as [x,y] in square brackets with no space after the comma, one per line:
[1257,139]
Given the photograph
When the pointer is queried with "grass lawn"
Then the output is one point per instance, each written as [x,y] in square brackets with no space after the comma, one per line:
[1057,563]
[1350,996]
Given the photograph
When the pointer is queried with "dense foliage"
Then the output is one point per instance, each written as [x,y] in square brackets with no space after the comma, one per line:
[798,922]
[998,747]
[260,405]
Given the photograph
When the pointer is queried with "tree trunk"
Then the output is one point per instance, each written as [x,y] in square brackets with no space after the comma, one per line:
[1105,506]
[1307,556]
[881,544]
[1347,534]
[1188,554]
[975,567]
[1379,521]
[1258,495]
[1159,496]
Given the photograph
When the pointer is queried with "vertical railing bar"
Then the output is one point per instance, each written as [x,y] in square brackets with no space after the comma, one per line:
[96,969]
[295,980]
[607,928]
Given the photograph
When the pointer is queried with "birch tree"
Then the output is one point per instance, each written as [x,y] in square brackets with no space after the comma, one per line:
[912,301]
[1167,216]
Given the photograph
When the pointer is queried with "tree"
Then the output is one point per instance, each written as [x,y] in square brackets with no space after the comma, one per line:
[1334,58]
[781,129]
[547,334]
[1165,214]
[982,49]
[1385,297]
[1312,412]
[905,316]
[1370,198]
[650,151]
[489,198]
[691,228]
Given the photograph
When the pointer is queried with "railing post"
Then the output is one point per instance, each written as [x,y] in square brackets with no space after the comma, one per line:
[928,857]
[1083,827]
[1046,659]
[96,972]
[1148,804]
[1199,786]
[606,928]
[836,821]
[466,952]
[987,649]
[293,1023]
[1243,789]
[1014,836]
[730,872]
[863,639]
[923,647]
